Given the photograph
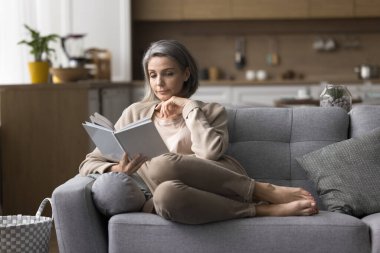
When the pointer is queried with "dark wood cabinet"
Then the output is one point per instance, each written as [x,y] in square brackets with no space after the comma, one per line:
[192,10]
[42,140]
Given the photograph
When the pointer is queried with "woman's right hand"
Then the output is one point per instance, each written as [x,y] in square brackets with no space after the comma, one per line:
[129,166]
[172,107]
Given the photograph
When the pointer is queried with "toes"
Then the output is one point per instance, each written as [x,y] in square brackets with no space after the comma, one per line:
[308,212]
[311,209]
[305,193]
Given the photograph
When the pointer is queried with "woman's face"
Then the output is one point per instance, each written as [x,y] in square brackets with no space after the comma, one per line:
[166,77]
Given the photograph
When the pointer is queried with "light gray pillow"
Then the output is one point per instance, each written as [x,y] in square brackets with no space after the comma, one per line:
[347,174]
[115,193]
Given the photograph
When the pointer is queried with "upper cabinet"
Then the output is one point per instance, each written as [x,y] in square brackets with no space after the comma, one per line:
[160,10]
[269,9]
[331,8]
[176,10]
[206,10]
[367,8]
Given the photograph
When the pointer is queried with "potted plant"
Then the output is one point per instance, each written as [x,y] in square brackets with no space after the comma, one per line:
[39,69]
[336,95]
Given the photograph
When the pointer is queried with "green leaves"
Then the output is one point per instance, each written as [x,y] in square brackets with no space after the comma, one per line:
[39,44]
[335,92]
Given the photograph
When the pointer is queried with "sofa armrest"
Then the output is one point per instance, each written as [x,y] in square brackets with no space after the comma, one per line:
[78,224]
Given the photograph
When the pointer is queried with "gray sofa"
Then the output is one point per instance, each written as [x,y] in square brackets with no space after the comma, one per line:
[266,141]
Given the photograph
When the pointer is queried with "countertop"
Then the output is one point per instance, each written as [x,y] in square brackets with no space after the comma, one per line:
[104,84]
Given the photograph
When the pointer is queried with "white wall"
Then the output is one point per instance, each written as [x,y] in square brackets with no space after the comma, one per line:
[106,23]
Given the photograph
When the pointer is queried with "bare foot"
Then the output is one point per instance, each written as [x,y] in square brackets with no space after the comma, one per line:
[280,194]
[295,208]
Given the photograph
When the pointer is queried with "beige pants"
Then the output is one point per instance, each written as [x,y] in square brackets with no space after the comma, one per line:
[191,190]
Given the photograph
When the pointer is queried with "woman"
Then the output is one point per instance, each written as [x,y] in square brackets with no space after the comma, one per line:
[196,182]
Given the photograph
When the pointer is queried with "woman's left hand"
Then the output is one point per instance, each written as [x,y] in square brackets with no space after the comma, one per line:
[129,166]
[172,107]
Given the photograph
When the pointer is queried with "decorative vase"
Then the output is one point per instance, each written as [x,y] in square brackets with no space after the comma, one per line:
[336,95]
[39,72]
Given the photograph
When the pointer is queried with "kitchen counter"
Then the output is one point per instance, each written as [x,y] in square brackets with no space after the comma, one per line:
[270,82]
[72,85]
[275,82]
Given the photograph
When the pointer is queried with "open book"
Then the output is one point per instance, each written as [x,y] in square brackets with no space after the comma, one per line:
[140,137]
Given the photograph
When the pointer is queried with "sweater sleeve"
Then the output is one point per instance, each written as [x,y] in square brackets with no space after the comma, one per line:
[208,126]
[94,163]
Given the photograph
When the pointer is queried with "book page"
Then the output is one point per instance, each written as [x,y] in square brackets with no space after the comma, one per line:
[99,119]
[142,138]
[136,124]
[105,141]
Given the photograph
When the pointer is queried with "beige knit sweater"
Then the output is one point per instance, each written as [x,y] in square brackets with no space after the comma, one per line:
[207,123]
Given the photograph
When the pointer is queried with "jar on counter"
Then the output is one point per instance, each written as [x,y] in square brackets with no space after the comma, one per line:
[336,95]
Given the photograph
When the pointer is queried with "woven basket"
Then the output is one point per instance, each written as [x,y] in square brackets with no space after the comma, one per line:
[22,233]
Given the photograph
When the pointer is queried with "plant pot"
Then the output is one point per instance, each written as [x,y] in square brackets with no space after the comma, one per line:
[39,72]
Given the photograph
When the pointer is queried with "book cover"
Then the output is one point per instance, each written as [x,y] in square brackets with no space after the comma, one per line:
[140,137]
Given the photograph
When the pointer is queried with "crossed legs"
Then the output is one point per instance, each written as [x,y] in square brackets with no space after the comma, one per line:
[193,190]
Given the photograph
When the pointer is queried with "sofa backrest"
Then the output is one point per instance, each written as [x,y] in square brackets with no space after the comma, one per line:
[266,141]
[364,118]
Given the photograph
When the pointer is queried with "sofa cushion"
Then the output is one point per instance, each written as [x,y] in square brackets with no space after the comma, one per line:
[347,174]
[364,118]
[115,193]
[326,232]
[266,141]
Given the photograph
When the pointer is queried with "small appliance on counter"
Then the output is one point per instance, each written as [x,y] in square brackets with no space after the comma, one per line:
[367,71]
[72,46]
[92,63]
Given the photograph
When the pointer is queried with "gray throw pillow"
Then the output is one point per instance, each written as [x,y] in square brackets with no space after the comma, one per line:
[115,193]
[347,174]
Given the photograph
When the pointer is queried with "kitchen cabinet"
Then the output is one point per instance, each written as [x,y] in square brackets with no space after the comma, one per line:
[255,95]
[331,8]
[242,95]
[114,101]
[269,9]
[137,93]
[173,10]
[218,94]
[42,140]
[157,10]
[267,94]
[367,8]
[206,10]
[261,95]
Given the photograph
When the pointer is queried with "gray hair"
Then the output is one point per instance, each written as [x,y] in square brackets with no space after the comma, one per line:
[178,52]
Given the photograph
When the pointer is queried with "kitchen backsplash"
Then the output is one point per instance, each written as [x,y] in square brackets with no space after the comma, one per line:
[308,49]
